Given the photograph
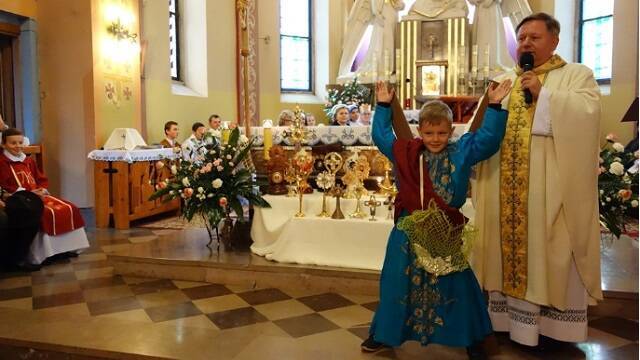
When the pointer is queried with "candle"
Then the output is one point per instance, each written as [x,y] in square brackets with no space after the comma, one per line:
[487,59]
[386,66]
[268,137]
[375,69]
[474,61]
[398,66]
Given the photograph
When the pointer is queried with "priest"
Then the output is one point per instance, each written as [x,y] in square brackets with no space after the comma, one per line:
[538,247]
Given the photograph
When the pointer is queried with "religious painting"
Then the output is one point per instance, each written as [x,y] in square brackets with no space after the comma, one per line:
[432,81]
[433,40]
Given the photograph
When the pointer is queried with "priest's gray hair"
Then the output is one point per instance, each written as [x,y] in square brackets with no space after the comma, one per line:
[434,112]
[553,26]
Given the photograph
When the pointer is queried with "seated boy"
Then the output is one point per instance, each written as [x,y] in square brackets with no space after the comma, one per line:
[62,226]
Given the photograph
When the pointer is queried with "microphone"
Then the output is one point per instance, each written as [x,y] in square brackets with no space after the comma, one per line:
[526,64]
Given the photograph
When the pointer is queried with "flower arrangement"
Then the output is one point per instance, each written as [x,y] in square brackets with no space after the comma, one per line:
[213,183]
[353,93]
[617,185]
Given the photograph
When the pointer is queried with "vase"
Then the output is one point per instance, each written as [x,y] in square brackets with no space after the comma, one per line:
[226,232]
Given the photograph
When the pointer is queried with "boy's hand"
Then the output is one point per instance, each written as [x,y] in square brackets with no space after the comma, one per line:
[497,92]
[383,93]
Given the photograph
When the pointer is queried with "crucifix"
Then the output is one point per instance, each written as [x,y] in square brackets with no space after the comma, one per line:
[373,204]
[432,44]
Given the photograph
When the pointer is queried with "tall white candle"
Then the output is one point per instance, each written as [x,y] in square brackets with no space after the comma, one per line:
[385,76]
[474,61]
[375,69]
[487,60]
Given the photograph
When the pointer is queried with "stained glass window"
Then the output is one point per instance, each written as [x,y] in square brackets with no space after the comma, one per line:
[596,37]
[296,61]
[174,46]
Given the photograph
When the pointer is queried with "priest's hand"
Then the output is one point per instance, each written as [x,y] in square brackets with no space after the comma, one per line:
[531,82]
[1,204]
[383,92]
[497,92]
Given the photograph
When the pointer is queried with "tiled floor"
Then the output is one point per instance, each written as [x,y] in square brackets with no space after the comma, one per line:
[78,303]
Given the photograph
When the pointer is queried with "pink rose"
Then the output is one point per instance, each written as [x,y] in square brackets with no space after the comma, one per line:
[161,185]
[601,170]
[222,201]
[187,192]
[611,137]
[624,194]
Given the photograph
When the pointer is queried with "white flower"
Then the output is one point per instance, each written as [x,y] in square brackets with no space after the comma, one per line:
[608,199]
[617,159]
[601,192]
[185,182]
[220,168]
[616,168]
[174,169]
[217,183]
[230,163]
[618,147]
[634,203]
[229,157]
[171,192]
[210,195]
[200,190]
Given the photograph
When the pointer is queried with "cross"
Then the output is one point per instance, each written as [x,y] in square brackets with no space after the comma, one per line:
[373,204]
[333,162]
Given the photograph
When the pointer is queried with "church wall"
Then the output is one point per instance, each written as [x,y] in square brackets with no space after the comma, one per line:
[64,47]
[161,105]
[90,85]
[26,8]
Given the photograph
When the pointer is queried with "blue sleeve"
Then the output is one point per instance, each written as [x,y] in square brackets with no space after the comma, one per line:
[382,131]
[486,141]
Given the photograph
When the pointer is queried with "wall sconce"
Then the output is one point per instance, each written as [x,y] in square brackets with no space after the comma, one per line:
[117,29]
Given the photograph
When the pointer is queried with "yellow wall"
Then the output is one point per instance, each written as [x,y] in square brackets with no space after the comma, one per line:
[74,70]
[66,85]
[27,8]
[161,104]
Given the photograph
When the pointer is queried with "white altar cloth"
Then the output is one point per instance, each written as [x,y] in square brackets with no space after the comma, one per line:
[132,155]
[352,243]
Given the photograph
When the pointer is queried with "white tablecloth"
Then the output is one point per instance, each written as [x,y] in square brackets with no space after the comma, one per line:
[347,135]
[132,155]
[352,243]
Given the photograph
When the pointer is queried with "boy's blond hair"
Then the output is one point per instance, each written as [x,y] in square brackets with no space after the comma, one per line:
[434,112]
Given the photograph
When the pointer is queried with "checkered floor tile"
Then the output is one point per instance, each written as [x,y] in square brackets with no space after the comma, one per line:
[85,285]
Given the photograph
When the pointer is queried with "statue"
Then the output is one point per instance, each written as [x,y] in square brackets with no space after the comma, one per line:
[437,10]
[489,34]
[383,15]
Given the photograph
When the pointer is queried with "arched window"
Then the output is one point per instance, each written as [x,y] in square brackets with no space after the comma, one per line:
[174,40]
[596,37]
[296,59]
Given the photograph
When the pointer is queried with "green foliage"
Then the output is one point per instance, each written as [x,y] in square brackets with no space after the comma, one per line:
[213,182]
[618,188]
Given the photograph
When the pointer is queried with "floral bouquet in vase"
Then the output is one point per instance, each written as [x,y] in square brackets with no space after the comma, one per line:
[214,182]
[617,185]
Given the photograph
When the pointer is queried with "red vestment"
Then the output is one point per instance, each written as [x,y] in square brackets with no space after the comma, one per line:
[59,216]
[407,161]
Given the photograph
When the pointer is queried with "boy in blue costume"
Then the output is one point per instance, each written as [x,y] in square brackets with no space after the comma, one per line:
[428,292]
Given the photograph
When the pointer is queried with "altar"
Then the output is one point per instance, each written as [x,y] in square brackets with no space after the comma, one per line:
[352,243]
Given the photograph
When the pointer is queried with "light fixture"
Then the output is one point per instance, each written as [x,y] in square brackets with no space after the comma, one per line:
[121,32]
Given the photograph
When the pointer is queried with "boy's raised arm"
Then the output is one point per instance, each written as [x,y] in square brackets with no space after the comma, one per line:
[382,130]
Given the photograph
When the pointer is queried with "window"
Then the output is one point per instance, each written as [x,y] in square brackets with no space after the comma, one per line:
[174,40]
[296,65]
[596,37]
